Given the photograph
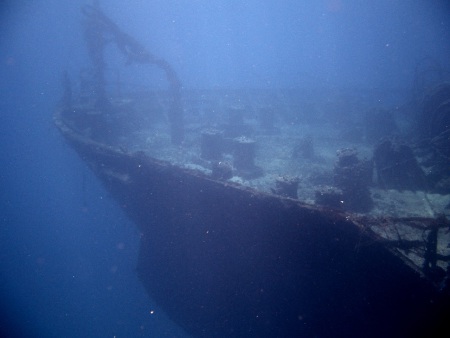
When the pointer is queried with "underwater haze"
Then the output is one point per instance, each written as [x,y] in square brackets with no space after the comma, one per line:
[67,251]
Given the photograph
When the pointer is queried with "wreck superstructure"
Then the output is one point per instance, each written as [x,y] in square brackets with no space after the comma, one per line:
[264,213]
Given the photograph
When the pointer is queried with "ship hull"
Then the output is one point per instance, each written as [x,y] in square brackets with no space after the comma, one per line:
[223,260]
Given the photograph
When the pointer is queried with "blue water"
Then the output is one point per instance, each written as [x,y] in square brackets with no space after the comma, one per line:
[67,252]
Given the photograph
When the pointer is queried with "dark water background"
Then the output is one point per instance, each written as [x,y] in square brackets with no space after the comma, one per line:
[67,252]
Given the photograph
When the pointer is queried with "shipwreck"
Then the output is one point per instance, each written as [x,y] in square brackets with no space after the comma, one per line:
[252,225]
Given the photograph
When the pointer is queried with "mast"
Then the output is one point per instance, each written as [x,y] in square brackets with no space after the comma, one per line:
[99,30]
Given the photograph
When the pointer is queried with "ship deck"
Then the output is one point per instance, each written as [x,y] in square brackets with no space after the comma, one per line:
[297,135]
